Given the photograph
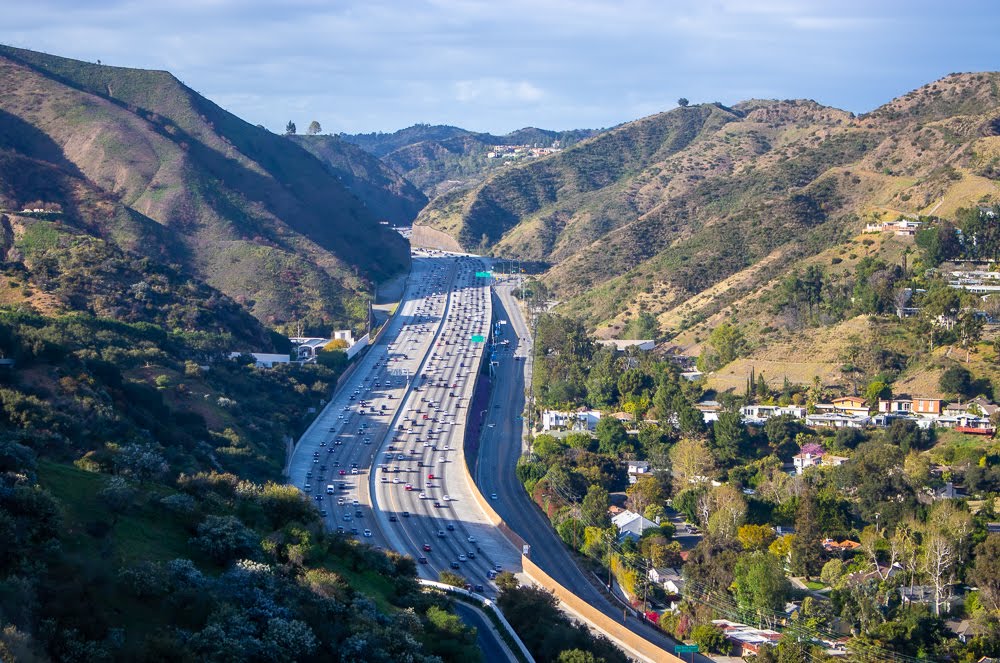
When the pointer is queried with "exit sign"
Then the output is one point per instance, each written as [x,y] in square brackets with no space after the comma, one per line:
[478,338]
[484,275]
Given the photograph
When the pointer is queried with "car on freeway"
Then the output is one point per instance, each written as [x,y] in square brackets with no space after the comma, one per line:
[462,558]
[494,496]
[450,527]
[421,560]
[427,547]
[368,532]
[456,565]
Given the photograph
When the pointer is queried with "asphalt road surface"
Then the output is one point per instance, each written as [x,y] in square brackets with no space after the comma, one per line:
[494,470]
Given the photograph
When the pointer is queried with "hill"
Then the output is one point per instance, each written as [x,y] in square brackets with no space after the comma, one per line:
[385,193]
[249,212]
[652,214]
[439,159]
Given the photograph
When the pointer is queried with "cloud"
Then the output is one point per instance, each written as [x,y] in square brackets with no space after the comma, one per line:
[495,90]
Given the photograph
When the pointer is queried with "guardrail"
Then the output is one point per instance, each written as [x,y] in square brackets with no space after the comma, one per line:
[486,603]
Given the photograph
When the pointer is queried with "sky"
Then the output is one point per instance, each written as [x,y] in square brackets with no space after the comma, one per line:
[499,65]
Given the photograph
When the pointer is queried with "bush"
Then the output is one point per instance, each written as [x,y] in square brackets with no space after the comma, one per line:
[709,639]
[225,538]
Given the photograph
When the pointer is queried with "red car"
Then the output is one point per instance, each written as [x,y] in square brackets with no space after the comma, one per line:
[430,476]
[343,472]
[427,547]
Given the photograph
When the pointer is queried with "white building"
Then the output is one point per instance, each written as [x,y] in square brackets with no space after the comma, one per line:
[263,359]
[578,420]
[760,413]
[631,525]
[636,469]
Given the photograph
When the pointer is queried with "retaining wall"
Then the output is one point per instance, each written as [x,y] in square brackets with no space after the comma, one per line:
[632,643]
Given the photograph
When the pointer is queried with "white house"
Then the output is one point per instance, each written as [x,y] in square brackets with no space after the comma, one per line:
[803,461]
[581,419]
[631,525]
[263,359]
[760,413]
[636,469]
[669,578]
[837,420]
[709,410]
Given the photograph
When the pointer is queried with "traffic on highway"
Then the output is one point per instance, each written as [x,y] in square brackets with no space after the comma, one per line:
[393,436]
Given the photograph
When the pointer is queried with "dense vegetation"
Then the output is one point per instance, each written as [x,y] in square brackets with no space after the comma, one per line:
[885,496]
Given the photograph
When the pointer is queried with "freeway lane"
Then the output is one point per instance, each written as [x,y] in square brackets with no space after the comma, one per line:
[399,420]
[500,448]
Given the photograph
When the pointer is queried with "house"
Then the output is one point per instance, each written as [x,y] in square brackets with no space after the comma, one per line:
[631,525]
[837,420]
[669,578]
[967,423]
[845,405]
[922,407]
[803,460]
[636,469]
[263,359]
[622,345]
[709,410]
[924,594]
[979,406]
[782,530]
[623,417]
[582,419]
[746,640]
[830,545]
[761,413]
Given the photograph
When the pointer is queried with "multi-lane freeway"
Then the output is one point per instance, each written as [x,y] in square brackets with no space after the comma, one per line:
[392,437]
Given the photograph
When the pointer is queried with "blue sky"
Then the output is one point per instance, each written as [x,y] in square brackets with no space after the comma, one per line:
[498,65]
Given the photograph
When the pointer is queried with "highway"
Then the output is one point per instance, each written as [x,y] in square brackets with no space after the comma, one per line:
[393,434]
[494,470]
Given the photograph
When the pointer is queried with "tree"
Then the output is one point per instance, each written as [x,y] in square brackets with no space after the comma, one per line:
[760,586]
[709,638]
[970,331]
[644,492]
[726,344]
[755,537]
[143,461]
[985,572]
[690,463]
[225,538]
[313,129]
[938,561]
[728,435]
[576,656]
[594,509]
[290,128]
[612,438]
[806,553]
[682,102]
[728,511]
[118,496]
[956,380]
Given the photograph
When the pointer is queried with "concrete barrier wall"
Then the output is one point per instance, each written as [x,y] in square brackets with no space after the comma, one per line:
[629,641]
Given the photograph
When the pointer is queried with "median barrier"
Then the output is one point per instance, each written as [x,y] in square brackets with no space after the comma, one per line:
[634,644]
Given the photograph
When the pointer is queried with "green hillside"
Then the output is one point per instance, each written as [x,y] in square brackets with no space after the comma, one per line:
[251,213]
[386,194]
[665,209]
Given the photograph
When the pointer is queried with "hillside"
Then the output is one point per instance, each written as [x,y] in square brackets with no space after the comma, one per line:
[385,193]
[439,159]
[659,212]
[249,212]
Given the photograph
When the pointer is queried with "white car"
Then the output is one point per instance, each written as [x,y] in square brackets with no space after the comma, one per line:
[422,496]
[472,539]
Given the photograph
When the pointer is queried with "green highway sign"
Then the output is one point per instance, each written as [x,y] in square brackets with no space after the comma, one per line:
[478,338]
[686,649]
[484,275]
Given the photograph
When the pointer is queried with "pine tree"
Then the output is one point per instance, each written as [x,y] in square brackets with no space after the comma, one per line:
[806,551]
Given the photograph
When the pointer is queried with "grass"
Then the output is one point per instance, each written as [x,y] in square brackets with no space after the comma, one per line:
[814,585]
[373,585]
[142,534]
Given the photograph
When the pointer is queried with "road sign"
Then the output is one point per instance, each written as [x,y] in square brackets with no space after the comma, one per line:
[686,649]
[484,275]
[478,338]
